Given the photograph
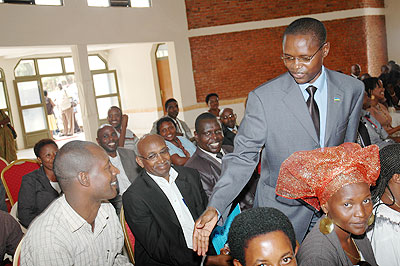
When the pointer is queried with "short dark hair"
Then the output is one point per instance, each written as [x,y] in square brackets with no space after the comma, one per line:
[209,96]
[40,144]
[201,117]
[370,84]
[162,120]
[307,26]
[390,165]
[255,222]
[74,157]
[167,102]
[115,107]
[45,93]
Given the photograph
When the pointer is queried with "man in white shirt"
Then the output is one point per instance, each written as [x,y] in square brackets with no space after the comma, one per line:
[79,228]
[67,111]
[121,158]
[160,208]
[119,121]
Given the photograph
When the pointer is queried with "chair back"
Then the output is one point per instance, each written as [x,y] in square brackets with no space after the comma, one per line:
[11,176]
[128,237]
[17,255]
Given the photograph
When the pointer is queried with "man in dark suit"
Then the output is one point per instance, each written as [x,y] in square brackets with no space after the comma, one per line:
[207,158]
[160,208]
[229,127]
[306,108]
[121,158]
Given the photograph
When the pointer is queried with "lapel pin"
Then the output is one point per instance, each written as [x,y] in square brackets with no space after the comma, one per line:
[336,99]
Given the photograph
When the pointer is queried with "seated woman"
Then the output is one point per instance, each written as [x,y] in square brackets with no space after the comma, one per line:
[385,233]
[336,179]
[40,187]
[376,92]
[262,236]
[180,148]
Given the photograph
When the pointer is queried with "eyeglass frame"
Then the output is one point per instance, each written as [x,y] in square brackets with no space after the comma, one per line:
[229,116]
[154,156]
[301,59]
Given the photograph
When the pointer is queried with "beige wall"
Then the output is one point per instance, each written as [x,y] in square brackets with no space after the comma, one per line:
[392,11]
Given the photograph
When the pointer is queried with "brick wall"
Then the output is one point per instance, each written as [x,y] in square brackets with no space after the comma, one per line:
[233,64]
[204,13]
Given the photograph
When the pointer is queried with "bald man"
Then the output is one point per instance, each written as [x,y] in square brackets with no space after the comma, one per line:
[229,127]
[81,227]
[160,208]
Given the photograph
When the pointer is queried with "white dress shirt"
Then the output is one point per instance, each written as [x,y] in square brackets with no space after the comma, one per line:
[214,155]
[123,180]
[60,236]
[177,201]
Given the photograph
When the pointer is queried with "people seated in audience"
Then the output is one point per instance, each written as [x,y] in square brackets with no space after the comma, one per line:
[80,227]
[127,139]
[365,76]
[208,159]
[384,235]
[10,235]
[336,180]
[121,158]
[370,131]
[374,88]
[182,129]
[392,88]
[160,208]
[355,71]
[212,101]
[180,148]
[262,236]
[229,127]
[40,187]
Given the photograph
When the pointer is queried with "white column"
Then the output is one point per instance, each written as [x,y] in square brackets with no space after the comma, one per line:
[86,95]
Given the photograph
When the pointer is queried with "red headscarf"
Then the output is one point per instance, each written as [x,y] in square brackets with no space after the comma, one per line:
[314,176]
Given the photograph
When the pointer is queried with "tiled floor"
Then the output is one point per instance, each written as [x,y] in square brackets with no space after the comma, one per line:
[29,154]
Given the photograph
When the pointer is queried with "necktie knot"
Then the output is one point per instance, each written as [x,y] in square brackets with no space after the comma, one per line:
[311,90]
[219,155]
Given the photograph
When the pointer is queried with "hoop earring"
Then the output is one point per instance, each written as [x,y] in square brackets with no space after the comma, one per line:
[371,219]
[326,225]
[372,97]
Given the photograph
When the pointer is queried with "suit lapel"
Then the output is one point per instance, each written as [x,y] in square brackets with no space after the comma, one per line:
[296,105]
[335,97]
[45,182]
[210,159]
[185,189]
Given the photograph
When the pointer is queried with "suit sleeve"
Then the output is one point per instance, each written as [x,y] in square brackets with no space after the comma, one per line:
[238,166]
[27,200]
[151,236]
[354,118]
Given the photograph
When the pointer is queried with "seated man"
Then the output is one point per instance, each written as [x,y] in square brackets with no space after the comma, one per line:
[10,235]
[207,158]
[123,159]
[262,236]
[78,228]
[127,138]
[182,129]
[229,127]
[160,208]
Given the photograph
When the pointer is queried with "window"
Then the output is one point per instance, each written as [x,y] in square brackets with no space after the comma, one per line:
[4,103]
[34,2]
[122,3]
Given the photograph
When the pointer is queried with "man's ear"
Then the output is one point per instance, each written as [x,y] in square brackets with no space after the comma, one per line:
[236,262]
[196,136]
[325,50]
[297,247]
[139,161]
[84,179]
[395,178]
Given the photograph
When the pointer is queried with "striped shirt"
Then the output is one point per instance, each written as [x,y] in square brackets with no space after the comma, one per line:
[60,236]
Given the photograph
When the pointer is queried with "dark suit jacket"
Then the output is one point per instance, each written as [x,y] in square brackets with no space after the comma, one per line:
[318,249]
[34,196]
[210,171]
[229,136]
[132,170]
[277,116]
[159,238]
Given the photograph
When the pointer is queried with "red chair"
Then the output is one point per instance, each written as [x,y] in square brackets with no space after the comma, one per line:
[11,176]
[128,236]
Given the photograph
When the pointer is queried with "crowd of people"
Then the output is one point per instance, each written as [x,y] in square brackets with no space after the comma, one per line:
[314,168]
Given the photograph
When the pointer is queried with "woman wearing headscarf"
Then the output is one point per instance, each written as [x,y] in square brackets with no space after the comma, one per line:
[336,180]
[384,235]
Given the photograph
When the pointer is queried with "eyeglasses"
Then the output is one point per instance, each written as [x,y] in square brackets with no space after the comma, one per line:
[287,59]
[154,156]
[228,116]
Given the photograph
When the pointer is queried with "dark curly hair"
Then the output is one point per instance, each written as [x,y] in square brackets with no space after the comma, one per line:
[40,144]
[370,84]
[211,95]
[254,222]
[162,120]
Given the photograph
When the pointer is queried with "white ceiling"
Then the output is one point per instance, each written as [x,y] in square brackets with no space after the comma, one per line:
[24,51]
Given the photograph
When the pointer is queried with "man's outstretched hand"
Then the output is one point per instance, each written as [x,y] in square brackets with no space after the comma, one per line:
[202,230]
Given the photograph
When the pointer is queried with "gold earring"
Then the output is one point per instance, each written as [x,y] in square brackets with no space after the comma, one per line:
[371,219]
[372,97]
[326,225]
